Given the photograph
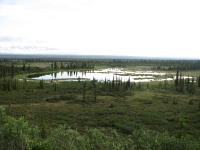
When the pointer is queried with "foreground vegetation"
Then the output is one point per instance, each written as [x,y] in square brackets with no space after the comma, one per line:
[18,134]
[99,115]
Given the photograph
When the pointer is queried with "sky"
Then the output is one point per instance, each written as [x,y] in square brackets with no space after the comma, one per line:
[152,28]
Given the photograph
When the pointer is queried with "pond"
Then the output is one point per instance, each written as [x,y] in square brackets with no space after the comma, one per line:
[108,74]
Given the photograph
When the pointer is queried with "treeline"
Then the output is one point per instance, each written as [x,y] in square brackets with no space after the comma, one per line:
[73,65]
[188,84]
[155,64]
[10,70]
[178,64]
[70,63]
[7,71]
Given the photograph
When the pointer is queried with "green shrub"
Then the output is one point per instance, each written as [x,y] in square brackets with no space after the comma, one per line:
[175,101]
[68,97]
[53,99]
[17,134]
[172,119]
[165,101]
[148,102]
[111,105]
[104,123]
[190,102]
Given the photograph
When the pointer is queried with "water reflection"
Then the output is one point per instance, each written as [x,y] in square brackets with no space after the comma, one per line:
[108,74]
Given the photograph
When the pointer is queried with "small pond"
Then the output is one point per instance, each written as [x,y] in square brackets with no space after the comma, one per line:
[108,74]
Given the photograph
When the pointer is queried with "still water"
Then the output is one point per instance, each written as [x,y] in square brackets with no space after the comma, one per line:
[108,74]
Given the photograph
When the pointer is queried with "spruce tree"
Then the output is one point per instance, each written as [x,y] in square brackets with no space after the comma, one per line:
[61,65]
[24,67]
[12,71]
[113,83]
[188,83]
[55,65]
[84,89]
[41,84]
[199,81]
[176,80]
[95,90]
[192,87]
[29,67]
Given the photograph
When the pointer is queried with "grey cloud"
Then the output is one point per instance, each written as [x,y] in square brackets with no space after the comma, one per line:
[11,39]
[27,49]
[39,48]
[13,2]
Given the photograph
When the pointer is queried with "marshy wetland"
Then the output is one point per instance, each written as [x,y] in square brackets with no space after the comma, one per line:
[108,74]
[149,102]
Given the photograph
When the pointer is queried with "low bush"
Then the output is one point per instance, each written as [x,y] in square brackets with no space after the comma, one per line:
[17,134]
[53,99]
[190,102]
[57,98]
[68,97]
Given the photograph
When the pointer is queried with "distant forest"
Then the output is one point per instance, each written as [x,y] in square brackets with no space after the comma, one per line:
[87,56]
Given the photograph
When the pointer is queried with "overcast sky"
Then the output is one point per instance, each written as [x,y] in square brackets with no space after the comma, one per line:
[107,27]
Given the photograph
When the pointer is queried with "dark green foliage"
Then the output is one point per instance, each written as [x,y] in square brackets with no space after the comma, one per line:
[165,101]
[177,78]
[199,81]
[24,83]
[55,65]
[188,83]
[113,83]
[192,87]
[9,106]
[44,131]
[182,85]
[111,105]
[148,102]
[84,90]
[199,105]
[147,85]
[57,98]
[190,102]
[68,97]
[9,84]
[95,89]
[12,71]
[42,84]
[139,86]
[18,134]
[165,83]
[180,128]
[160,84]
[118,107]
[61,65]
[29,67]
[24,67]
[15,84]
[53,99]
[175,101]
[55,86]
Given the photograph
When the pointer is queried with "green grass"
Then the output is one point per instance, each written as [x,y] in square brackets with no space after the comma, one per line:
[138,108]
[126,111]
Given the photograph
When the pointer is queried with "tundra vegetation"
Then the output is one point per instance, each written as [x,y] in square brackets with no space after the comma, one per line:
[113,114]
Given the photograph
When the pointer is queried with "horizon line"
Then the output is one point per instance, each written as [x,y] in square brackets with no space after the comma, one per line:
[2,55]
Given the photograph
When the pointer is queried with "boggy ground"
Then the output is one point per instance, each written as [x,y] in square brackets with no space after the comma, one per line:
[155,106]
